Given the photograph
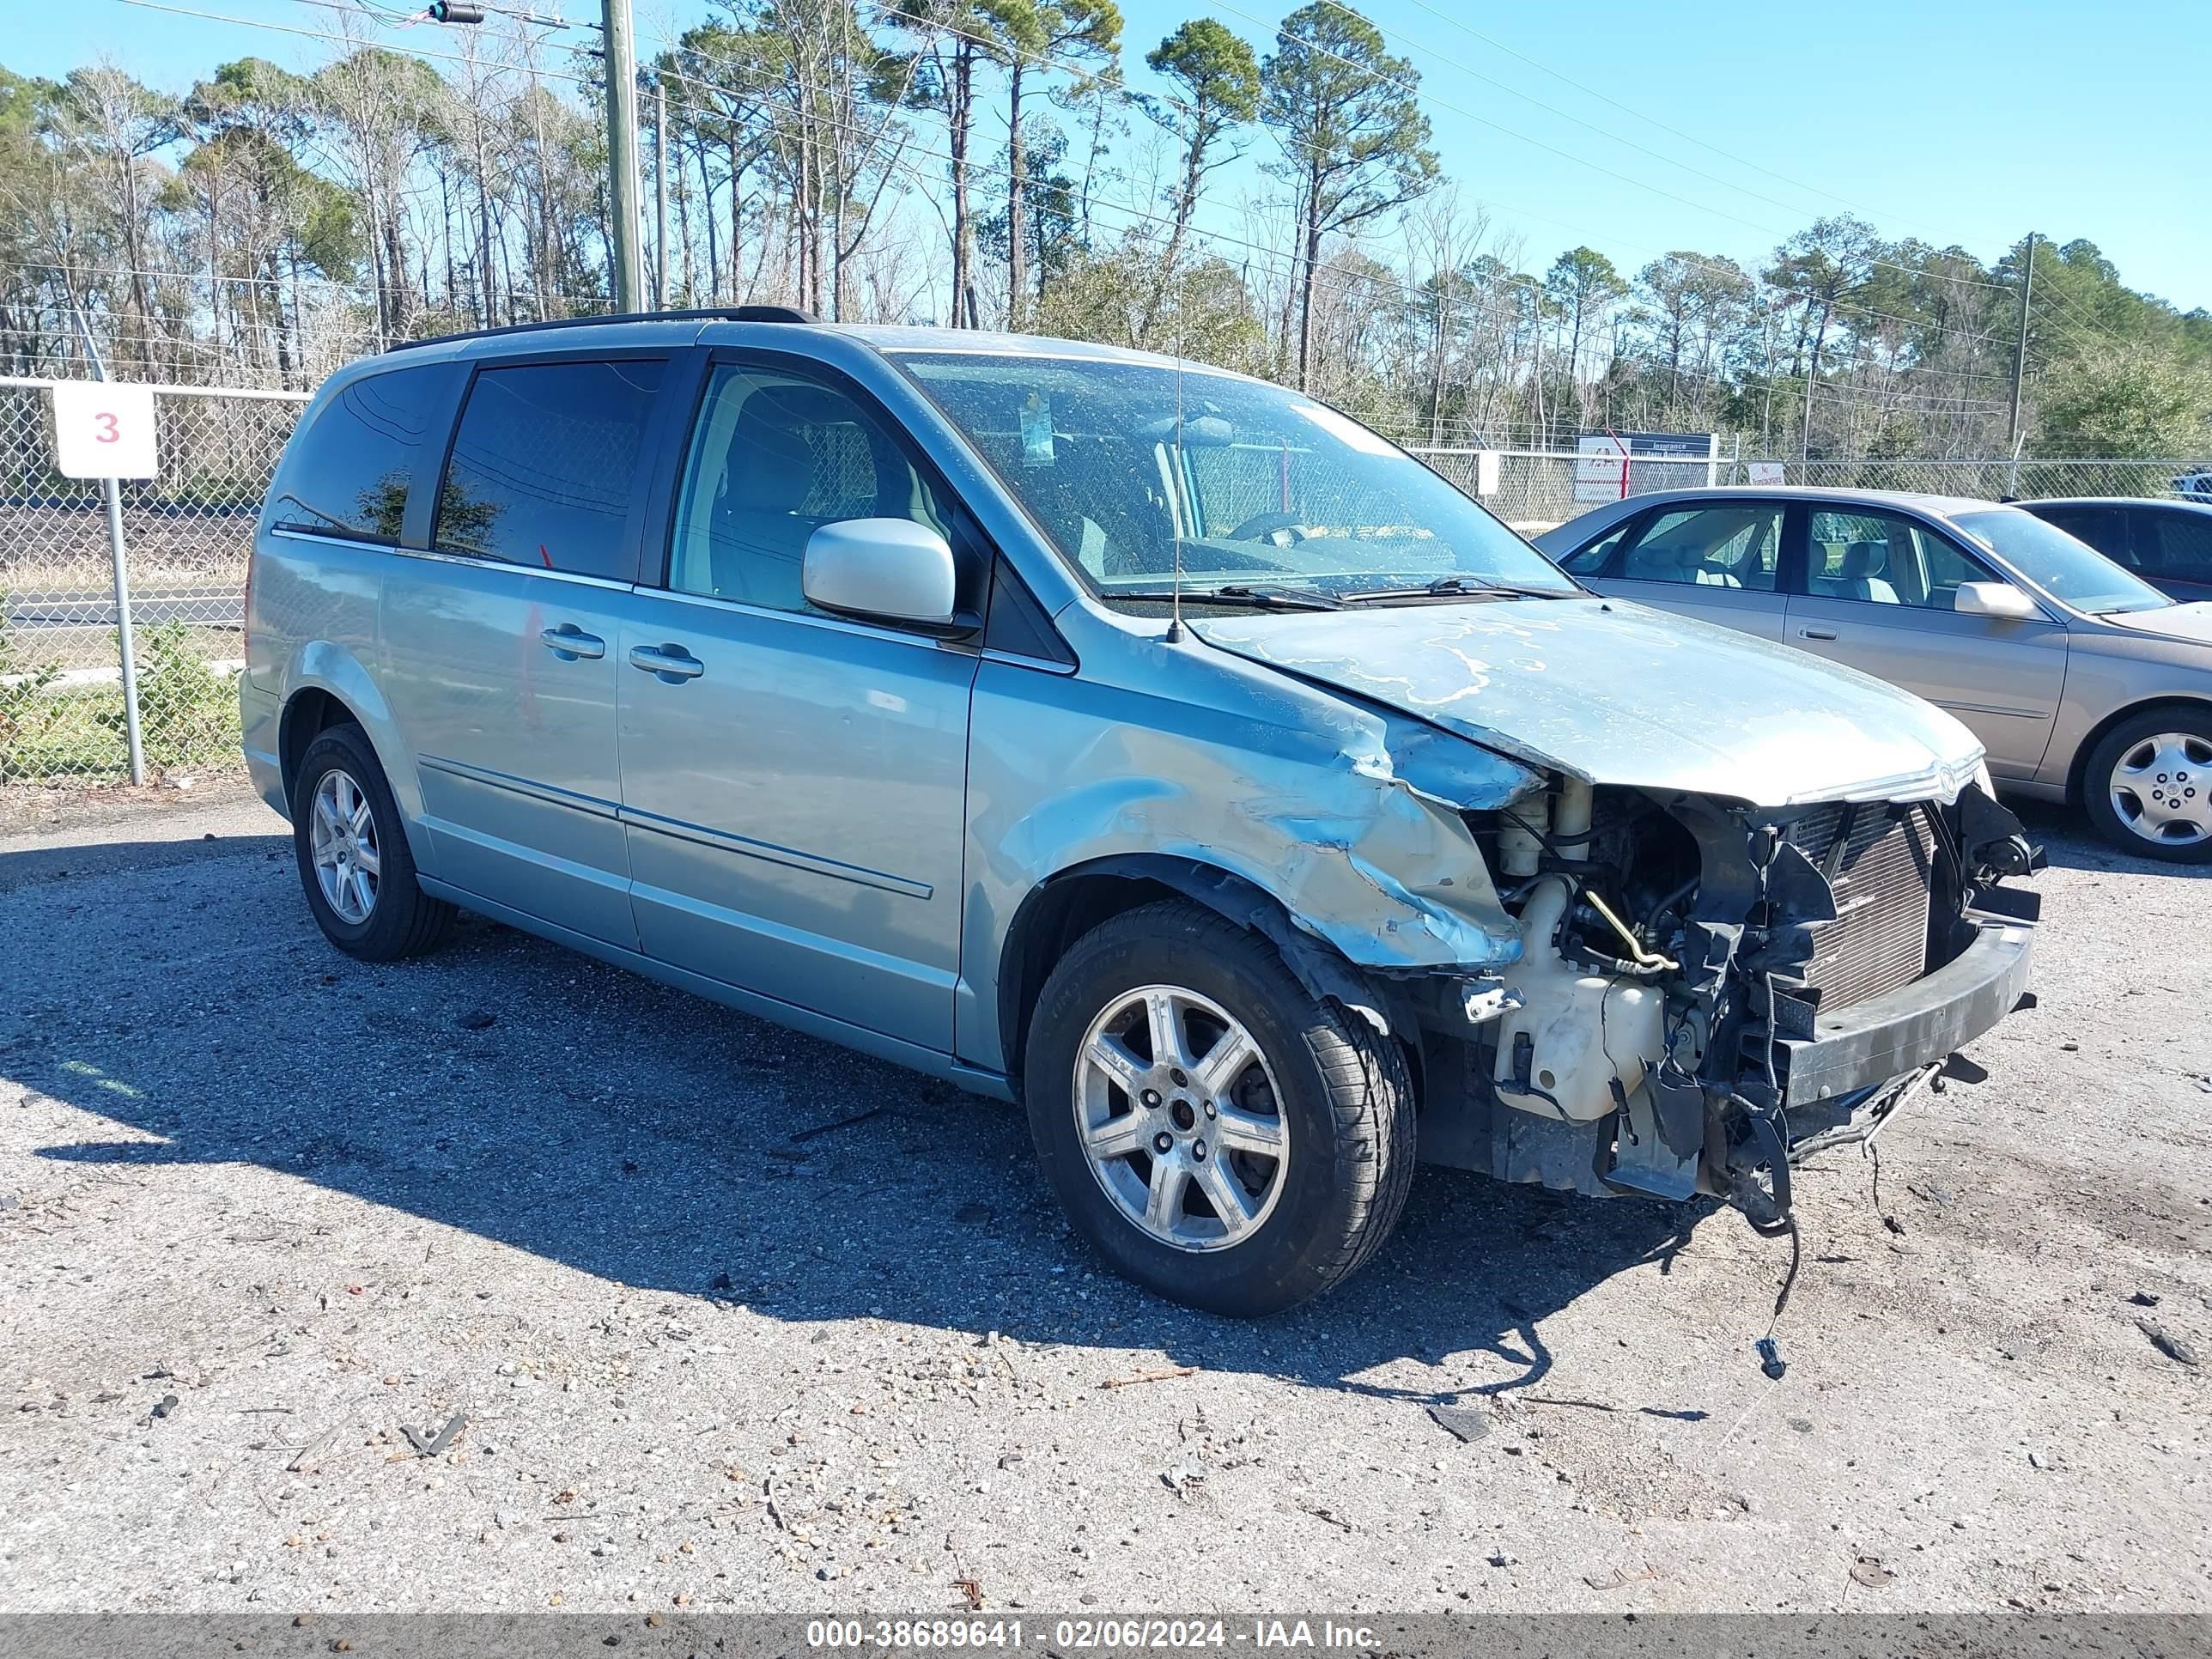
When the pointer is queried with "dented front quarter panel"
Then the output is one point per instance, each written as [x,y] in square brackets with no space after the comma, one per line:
[1616,693]
[1346,814]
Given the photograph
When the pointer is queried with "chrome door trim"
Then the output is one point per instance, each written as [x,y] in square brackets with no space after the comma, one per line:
[359,544]
[813,619]
[770,853]
[591,803]
[541,573]
[1017,660]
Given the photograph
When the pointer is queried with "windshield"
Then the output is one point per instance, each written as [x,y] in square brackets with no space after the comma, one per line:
[2067,570]
[1120,462]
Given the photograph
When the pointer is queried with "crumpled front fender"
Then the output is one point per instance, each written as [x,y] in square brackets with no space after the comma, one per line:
[1347,817]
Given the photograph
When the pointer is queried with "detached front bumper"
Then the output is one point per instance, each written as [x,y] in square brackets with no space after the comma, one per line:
[1870,1042]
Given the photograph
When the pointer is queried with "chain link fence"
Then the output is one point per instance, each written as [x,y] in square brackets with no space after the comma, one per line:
[1993,480]
[1534,489]
[187,534]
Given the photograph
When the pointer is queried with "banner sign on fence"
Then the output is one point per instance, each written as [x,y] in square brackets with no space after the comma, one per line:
[1764,472]
[1603,460]
[104,429]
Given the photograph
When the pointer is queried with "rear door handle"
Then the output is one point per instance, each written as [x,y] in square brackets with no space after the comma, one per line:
[568,642]
[672,663]
[1816,633]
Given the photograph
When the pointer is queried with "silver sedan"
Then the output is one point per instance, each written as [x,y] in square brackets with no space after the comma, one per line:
[2083,681]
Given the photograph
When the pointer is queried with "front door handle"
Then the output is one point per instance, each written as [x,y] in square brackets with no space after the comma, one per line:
[672,663]
[568,642]
[1816,633]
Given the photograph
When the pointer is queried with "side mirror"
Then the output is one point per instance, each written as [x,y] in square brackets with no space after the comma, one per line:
[1999,600]
[893,570]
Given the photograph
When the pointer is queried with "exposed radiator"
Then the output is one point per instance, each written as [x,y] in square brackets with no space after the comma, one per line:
[1878,864]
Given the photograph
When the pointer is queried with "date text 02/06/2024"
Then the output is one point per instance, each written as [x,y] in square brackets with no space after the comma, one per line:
[1086,1634]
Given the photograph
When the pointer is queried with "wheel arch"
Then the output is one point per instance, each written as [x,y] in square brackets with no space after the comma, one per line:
[332,688]
[308,712]
[1061,908]
[2077,769]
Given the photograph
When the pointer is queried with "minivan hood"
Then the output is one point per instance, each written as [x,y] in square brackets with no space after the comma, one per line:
[1617,693]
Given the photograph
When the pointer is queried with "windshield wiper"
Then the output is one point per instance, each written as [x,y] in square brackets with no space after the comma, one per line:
[1264,596]
[1455,587]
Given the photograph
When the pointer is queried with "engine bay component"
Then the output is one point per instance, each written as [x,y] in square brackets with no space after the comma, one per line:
[1582,1041]
[1706,992]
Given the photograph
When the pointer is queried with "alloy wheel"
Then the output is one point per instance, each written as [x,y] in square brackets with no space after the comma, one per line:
[341,832]
[1179,1119]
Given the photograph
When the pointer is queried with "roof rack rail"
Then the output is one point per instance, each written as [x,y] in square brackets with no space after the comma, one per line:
[762,313]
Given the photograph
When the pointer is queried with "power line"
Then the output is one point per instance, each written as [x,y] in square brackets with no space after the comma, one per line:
[1728,267]
[326,34]
[1412,90]
[1290,260]
[1689,137]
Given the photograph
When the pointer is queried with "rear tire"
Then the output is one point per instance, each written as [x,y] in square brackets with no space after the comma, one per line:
[1310,1138]
[351,847]
[2146,787]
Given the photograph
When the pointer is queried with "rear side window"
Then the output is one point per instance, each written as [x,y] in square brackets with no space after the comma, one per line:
[2185,546]
[1592,561]
[1727,545]
[544,463]
[349,473]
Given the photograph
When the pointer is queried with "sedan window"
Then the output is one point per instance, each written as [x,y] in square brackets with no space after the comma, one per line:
[1885,558]
[2070,571]
[1732,545]
[1592,561]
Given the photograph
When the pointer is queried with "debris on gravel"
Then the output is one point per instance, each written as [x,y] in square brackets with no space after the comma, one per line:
[700,1365]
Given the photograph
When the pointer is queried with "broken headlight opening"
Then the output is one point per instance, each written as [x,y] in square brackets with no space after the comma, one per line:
[1708,993]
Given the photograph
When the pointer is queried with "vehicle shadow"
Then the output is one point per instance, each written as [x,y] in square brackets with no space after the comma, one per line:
[2069,843]
[527,1095]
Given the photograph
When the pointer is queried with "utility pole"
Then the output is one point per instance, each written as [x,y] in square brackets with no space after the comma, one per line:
[622,156]
[660,193]
[2020,357]
[1812,375]
[623,207]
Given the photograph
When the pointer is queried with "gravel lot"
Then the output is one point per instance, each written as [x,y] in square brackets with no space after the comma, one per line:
[263,1209]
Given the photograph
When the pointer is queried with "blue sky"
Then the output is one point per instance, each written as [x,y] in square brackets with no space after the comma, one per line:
[1965,121]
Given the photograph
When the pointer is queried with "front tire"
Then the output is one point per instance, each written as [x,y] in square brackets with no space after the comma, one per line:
[2148,786]
[352,852]
[1219,1135]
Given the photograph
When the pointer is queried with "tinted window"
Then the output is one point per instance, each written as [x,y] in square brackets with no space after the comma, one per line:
[2183,540]
[2104,528]
[349,473]
[1734,544]
[543,466]
[1886,559]
[775,457]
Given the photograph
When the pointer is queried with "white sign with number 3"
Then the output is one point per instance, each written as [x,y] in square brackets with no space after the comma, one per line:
[104,430]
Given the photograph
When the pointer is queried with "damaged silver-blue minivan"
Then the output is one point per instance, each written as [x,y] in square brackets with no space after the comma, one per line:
[1142,743]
